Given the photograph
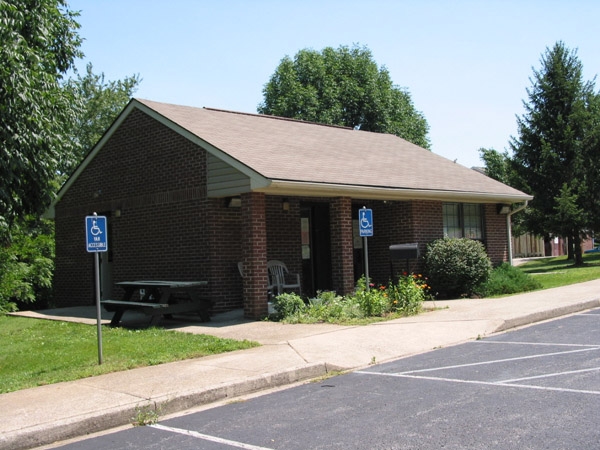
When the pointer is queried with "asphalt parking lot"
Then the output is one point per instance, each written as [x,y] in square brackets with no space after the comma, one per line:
[533,388]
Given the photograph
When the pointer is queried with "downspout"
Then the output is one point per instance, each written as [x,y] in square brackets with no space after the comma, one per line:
[508,228]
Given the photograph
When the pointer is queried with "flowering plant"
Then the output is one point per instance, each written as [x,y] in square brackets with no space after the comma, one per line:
[408,294]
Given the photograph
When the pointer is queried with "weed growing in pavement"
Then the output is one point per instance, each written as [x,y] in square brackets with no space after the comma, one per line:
[145,415]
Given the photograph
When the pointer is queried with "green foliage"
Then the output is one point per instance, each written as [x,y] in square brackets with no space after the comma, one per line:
[558,145]
[102,102]
[373,301]
[456,267]
[36,352]
[403,299]
[27,264]
[506,279]
[408,294]
[39,45]
[343,86]
[497,165]
[288,304]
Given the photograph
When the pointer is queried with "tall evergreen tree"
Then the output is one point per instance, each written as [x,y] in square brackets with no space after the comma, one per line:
[550,155]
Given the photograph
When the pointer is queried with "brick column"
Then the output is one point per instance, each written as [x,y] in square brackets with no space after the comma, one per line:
[342,259]
[254,253]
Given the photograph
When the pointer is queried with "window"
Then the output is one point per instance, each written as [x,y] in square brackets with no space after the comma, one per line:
[463,220]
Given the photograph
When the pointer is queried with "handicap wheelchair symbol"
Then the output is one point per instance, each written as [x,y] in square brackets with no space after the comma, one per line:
[364,221]
[95,229]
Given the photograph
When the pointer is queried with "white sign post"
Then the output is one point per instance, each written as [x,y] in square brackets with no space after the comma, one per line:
[365,226]
[97,241]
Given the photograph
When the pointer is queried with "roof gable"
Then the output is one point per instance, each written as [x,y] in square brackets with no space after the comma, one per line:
[290,157]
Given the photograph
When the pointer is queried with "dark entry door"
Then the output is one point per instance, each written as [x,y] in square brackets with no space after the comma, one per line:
[316,247]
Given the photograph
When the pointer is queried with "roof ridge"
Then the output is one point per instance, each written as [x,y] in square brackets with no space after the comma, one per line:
[286,119]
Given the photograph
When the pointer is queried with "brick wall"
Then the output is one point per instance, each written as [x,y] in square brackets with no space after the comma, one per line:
[156,179]
[496,241]
[342,269]
[254,254]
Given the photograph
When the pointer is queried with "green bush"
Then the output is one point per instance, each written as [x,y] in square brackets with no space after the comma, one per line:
[402,299]
[27,265]
[456,267]
[372,300]
[506,279]
[287,305]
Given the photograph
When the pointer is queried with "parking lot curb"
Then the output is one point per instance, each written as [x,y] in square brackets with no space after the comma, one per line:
[546,315]
[48,433]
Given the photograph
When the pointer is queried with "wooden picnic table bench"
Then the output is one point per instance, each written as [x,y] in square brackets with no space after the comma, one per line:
[160,298]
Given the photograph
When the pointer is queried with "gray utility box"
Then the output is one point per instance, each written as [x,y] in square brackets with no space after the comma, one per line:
[404,251]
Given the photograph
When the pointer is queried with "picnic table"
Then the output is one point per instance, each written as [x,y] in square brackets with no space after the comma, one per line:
[158,298]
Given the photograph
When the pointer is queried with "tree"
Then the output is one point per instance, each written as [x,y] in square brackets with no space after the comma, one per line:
[27,265]
[550,155]
[497,165]
[343,86]
[39,45]
[102,102]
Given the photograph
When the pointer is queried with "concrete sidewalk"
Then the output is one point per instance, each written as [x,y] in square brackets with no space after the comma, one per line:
[290,353]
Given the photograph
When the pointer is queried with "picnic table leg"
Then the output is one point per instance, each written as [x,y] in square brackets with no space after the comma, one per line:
[117,317]
[154,319]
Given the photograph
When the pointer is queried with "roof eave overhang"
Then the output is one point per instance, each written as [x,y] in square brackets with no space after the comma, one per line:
[297,188]
[257,179]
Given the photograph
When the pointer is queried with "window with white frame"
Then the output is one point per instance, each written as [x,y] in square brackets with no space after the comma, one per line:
[463,220]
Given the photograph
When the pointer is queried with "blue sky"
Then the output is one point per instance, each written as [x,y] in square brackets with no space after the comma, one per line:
[466,64]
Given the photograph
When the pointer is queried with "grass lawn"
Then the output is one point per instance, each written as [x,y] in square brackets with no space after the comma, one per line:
[35,352]
[555,272]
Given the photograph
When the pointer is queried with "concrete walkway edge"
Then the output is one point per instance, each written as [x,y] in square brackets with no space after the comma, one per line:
[104,419]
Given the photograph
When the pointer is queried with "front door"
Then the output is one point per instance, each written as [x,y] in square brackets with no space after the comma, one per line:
[316,247]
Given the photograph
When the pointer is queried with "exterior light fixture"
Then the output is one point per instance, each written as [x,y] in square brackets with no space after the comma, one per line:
[503,209]
[234,202]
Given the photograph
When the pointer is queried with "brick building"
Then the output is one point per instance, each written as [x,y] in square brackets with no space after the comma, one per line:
[190,192]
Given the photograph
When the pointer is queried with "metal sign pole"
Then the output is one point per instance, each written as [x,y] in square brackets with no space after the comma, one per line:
[98,309]
[366,249]
[96,241]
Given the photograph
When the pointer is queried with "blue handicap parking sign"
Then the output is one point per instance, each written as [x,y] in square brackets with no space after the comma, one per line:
[365,222]
[95,233]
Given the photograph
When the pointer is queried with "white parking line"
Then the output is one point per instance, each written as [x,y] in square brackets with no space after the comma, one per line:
[482,363]
[485,383]
[549,375]
[542,344]
[207,437]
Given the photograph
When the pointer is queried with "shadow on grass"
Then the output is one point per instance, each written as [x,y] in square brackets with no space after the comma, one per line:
[560,263]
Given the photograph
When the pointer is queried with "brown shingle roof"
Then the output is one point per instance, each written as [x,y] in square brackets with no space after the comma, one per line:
[296,151]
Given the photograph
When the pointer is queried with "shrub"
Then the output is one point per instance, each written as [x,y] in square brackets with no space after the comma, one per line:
[408,294]
[506,279]
[327,306]
[287,305]
[372,301]
[27,265]
[456,267]
[404,298]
